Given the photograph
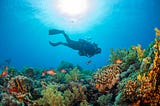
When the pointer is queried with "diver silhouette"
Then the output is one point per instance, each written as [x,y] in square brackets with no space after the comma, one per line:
[84,47]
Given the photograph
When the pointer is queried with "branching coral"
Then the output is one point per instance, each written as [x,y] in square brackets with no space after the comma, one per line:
[73,95]
[145,90]
[84,103]
[65,65]
[140,52]
[68,97]
[136,90]
[8,100]
[51,97]
[117,54]
[129,90]
[29,72]
[106,77]
[131,57]
[59,77]
[145,64]
[157,31]
[73,75]
[132,68]
[104,99]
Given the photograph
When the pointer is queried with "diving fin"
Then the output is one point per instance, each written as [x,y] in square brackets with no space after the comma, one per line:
[54,31]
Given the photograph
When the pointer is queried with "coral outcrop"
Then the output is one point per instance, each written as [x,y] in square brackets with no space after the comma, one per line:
[73,75]
[19,87]
[145,89]
[106,77]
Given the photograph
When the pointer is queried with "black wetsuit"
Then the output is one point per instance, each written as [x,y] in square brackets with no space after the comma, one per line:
[84,47]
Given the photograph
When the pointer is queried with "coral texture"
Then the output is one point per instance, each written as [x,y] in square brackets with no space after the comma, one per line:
[106,77]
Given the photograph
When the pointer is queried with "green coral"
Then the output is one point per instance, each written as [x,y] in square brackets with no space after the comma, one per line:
[73,75]
[12,71]
[65,65]
[104,99]
[129,59]
[86,74]
[140,52]
[59,77]
[84,103]
[68,97]
[75,95]
[117,54]
[51,97]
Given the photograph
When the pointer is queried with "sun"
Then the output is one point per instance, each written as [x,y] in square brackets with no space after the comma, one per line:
[72,7]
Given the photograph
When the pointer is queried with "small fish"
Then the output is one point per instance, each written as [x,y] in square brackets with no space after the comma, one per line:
[63,71]
[43,73]
[88,62]
[118,61]
[4,72]
[50,72]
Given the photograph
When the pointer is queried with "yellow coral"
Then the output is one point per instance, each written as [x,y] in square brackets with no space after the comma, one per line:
[51,97]
[146,60]
[157,31]
[139,77]
[73,75]
[140,52]
[146,90]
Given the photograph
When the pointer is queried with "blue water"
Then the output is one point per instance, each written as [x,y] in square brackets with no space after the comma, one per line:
[24,26]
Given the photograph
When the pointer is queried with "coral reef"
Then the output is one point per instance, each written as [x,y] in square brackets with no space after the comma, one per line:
[117,54]
[139,51]
[29,72]
[104,100]
[20,84]
[19,87]
[144,90]
[8,100]
[134,81]
[65,65]
[106,77]
[73,75]
[51,97]
[70,97]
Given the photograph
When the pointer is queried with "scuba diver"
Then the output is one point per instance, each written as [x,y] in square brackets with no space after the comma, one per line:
[84,47]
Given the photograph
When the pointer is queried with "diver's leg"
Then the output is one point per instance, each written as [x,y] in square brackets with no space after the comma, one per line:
[66,37]
[58,43]
[55,31]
